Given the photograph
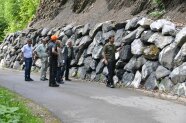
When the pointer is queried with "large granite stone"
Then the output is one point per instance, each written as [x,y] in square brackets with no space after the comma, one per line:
[137,80]
[151,83]
[166,56]
[181,37]
[148,68]
[178,75]
[125,53]
[137,47]
[127,78]
[166,85]
[160,41]
[181,56]
[162,72]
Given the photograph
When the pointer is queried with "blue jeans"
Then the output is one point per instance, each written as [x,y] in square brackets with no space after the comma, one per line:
[28,65]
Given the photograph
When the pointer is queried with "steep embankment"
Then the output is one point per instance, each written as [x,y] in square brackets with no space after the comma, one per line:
[59,12]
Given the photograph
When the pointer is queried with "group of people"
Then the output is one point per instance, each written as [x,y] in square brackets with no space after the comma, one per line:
[60,56]
[53,53]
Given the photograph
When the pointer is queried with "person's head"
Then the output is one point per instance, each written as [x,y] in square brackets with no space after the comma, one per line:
[111,39]
[54,38]
[29,42]
[58,43]
[45,40]
[69,43]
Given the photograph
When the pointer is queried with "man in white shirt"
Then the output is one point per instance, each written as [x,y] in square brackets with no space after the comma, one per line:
[42,54]
[27,52]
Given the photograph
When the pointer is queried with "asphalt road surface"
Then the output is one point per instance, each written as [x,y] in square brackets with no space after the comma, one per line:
[85,102]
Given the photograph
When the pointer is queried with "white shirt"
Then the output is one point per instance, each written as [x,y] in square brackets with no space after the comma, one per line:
[27,51]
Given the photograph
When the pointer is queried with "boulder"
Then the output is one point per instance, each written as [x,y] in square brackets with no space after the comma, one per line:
[82,72]
[145,22]
[118,37]
[119,73]
[137,47]
[146,35]
[105,71]
[179,89]
[100,67]
[160,41]
[131,65]
[148,68]
[95,29]
[181,37]
[16,65]
[73,72]
[97,52]
[180,57]
[178,75]
[166,56]
[151,52]
[45,31]
[151,83]
[158,25]
[169,30]
[120,64]
[133,23]
[137,80]
[86,29]
[125,53]
[99,39]
[107,26]
[93,64]
[86,41]
[115,79]
[139,32]
[127,78]
[140,61]
[162,72]
[166,85]
[128,39]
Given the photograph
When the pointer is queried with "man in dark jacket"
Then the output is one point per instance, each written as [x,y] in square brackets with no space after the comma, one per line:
[53,55]
[70,56]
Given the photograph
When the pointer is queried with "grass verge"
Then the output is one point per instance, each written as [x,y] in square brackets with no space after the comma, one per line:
[16,109]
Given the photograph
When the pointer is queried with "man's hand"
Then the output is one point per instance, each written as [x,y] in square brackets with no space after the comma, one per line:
[105,61]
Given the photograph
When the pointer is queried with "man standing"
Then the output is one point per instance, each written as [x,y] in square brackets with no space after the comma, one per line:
[40,51]
[70,56]
[109,59]
[53,55]
[27,54]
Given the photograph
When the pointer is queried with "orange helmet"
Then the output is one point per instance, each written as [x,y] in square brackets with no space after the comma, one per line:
[54,37]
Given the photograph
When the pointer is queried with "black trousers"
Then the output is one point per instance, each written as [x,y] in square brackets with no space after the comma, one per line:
[53,71]
[59,74]
[66,68]
[111,68]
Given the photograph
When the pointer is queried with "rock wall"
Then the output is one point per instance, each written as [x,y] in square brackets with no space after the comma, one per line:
[152,55]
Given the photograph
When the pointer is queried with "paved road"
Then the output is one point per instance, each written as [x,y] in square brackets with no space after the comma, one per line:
[80,102]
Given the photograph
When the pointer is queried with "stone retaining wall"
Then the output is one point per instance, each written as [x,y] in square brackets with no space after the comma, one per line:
[152,56]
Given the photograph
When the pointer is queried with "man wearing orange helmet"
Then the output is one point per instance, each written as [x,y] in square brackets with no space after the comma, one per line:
[53,55]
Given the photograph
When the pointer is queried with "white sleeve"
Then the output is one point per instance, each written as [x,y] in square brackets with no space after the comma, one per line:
[23,49]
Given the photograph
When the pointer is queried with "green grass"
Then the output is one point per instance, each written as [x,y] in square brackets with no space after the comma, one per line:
[13,109]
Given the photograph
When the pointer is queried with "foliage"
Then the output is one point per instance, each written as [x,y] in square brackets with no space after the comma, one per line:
[160,9]
[16,14]
[14,110]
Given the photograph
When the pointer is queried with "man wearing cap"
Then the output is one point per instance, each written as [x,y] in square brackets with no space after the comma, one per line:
[40,51]
[53,55]
[27,54]
[109,59]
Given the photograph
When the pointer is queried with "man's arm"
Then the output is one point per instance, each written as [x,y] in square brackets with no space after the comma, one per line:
[104,55]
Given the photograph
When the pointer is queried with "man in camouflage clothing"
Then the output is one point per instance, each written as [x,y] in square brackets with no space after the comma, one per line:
[109,59]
